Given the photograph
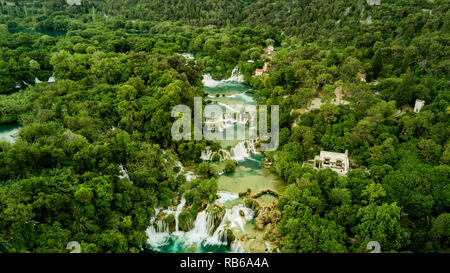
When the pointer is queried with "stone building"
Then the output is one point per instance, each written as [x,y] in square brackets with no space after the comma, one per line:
[338,162]
[362,77]
[259,72]
[270,51]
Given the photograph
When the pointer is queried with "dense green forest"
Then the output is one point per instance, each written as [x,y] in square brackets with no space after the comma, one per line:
[119,73]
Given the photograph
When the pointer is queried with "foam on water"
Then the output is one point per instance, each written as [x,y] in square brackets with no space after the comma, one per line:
[225,196]
[236,77]
[202,234]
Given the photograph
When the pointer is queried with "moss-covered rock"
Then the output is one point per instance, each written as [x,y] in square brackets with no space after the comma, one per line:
[170,220]
[217,212]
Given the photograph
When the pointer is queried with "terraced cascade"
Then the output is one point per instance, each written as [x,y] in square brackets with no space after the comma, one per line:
[229,223]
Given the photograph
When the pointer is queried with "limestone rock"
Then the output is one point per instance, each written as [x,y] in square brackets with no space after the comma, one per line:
[267,214]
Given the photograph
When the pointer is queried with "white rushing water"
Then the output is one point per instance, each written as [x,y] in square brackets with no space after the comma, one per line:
[203,232]
[187,55]
[207,232]
[124,173]
[242,151]
[189,174]
[225,196]
[236,76]
[240,113]
[232,220]
[10,136]
[51,79]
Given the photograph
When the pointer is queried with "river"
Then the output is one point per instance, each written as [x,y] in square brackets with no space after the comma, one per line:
[9,132]
[250,174]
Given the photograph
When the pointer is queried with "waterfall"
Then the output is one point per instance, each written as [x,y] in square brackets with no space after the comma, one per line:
[189,175]
[236,76]
[187,56]
[202,228]
[11,135]
[208,81]
[234,219]
[51,79]
[207,155]
[203,232]
[157,237]
[225,196]
[124,174]
[268,246]
[242,151]
[178,211]
[228,119]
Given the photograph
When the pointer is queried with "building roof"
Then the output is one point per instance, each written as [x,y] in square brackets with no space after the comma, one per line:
[333,155]
[259,70]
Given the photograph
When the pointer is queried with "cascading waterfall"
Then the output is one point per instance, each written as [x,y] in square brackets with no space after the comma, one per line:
[189,174]
[178,211]
[157,236]
[242,151]
[203,232]
[202,229]
[208,81]
[233,221]
[124,174]
[236,76]
[51,79]
[227,120]
[187,56]
[207,155]
[225,196]
[209,232]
